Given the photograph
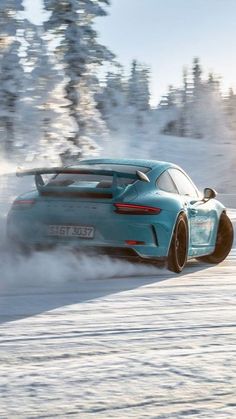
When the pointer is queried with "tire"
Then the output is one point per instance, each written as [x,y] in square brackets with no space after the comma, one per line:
[178,251]
[224,241]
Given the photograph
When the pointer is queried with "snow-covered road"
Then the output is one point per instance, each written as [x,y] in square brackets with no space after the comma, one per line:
[141,342]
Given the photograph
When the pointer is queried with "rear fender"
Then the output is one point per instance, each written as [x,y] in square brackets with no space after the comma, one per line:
[171,207]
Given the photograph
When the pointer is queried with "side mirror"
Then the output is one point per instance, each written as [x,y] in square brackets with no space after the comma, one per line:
[209,194]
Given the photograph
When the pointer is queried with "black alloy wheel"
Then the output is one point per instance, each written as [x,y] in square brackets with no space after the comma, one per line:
[177,256]
[224,241]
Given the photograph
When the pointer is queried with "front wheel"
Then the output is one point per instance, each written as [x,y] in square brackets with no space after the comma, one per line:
[177,256]
[224,241]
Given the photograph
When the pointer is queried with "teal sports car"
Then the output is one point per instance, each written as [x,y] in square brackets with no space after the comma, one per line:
[137,209]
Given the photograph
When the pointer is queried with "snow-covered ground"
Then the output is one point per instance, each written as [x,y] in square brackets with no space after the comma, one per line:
[97,338]
[122,343]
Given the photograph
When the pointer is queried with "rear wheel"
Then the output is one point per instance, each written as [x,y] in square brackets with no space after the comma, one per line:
[177,256]
[224,241]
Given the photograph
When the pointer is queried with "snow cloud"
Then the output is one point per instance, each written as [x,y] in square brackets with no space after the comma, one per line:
[54,267]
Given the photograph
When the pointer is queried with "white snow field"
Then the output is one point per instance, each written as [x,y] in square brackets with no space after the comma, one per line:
[111,340]
[99,338]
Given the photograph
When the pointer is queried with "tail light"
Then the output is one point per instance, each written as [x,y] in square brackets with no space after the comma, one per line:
[133,209]
[23,203]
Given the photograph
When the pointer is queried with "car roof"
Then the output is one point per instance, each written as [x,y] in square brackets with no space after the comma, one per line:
[152,164]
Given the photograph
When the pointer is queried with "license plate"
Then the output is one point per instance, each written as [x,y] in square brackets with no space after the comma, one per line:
[85,232]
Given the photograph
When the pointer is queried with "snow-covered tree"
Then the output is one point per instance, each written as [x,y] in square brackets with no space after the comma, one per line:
[185,100]
[10,71]
[170,112]
[206,114]
[195,110]
[42,105]
[79,54]
[112,101]
[230,110]
[213,83]
[138,87]
[138,97]
[124,105]
[185,86]
[197,81]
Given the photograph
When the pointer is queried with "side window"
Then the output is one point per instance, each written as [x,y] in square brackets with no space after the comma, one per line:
[183,183]
[165,183]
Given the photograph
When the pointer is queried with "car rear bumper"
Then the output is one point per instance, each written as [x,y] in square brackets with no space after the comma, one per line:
[128,254]
[151,235]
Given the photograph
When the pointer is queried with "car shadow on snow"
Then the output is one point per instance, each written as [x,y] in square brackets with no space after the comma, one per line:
[45,281]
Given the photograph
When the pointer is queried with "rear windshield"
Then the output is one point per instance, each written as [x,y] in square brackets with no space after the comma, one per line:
[96,180]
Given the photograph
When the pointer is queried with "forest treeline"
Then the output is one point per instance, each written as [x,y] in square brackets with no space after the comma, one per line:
[54,103]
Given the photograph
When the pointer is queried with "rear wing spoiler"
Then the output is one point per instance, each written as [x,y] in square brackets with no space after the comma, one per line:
[76,170]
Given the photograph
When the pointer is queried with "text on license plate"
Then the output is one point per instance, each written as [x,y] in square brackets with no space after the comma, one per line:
[85,232]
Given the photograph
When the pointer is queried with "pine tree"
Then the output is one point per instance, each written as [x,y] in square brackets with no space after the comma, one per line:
[43,105]
[79,54]
[138,87]
[184,119]
[213,83]
[185,86]
[230,110]
[10,71]
[196,110]
[112,101]
[206,110]
[197,81]
[138,111]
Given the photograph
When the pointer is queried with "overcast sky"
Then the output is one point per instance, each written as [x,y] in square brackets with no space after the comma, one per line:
[167,34]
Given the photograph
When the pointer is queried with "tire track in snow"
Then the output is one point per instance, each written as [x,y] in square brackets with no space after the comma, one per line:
[144,347]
